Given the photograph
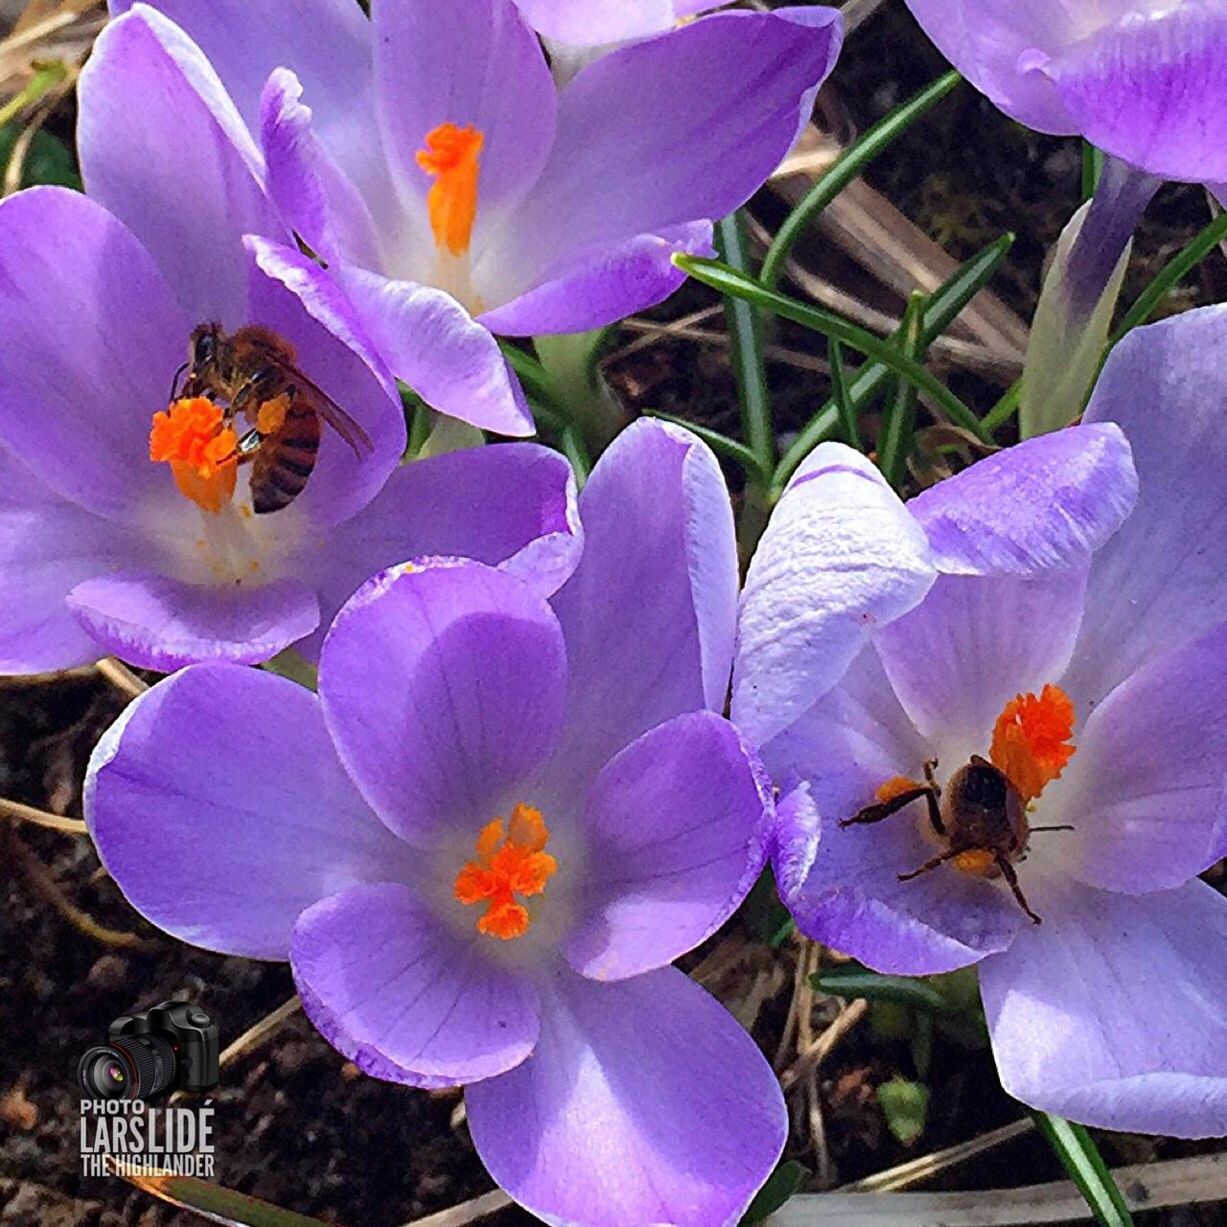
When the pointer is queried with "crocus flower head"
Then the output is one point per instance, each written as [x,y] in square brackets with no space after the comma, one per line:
[594,23]
[1023,768]
[127,510]
[483,843]
[1144,80]
[427,155]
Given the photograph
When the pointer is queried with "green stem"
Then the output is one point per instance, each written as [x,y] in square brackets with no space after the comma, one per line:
[947,301]
[729,281]
[849,165]
[1081,1158]
[899,421]
[1175,271]
[1004,409]
[576,388]
[844,404]
[746,339]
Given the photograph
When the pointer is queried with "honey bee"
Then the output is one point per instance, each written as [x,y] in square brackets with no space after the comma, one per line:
[980,817]
[253,373]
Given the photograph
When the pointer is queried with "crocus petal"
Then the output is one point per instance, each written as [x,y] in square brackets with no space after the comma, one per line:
[294,297]
[47,546]
[158,622]
[1152,90]
[326,43]
[311,192]
[443,685]
[1161,580]
[431,342]
[649,615]
[795,838]
[1049,502]
[975,643]
[841,557]
[403,996]
[474,63]
[676,828]
[1147,791]
[181,169]
[1074,1031]
[849,743]
[996,43]
[92,338]
[645,123]
[689,1116]
[602,288]
[597,21]
[509,505]
[218,805]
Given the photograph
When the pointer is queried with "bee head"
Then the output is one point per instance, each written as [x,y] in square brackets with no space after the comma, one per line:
[984,785]
[204,344]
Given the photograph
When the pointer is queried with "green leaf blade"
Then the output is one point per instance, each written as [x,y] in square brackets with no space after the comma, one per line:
[1081,1159]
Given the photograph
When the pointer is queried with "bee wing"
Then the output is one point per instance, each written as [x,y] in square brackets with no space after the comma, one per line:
[331,412]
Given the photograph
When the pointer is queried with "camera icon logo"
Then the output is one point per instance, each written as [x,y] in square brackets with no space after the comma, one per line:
[169,1047]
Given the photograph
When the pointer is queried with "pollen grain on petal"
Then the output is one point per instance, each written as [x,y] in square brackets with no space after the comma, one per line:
[191,435]
[508,861]
[1032,739]
[452,155]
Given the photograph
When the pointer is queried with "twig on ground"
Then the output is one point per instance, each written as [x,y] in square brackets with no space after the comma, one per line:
[926,1166]
[122,678]
[258,1032]
[39,877]
[466,1212]
[40,818]
[814,1055]
[1146,1186]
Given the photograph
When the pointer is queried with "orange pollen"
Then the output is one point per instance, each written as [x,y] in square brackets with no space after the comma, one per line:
[1031,739]
[452,155]
[192,437]
[896,786]
[508,863]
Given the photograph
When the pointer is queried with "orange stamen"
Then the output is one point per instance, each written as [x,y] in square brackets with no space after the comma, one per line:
[507,863]
[896,786]
[192,437]
[1030,739]
[452,155]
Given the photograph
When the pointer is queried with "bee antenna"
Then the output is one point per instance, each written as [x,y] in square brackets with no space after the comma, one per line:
[174,383]
[1065,827]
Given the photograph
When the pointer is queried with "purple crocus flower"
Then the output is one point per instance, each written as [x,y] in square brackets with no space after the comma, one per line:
[593,23]
[427,156]
[164,563]
[1092,694]
[1143,80]
[483,843]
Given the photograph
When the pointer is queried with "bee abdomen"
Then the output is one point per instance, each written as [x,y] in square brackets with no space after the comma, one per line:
[286,461]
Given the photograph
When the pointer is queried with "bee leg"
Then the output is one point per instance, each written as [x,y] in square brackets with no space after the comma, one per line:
[248,445]
[931,863]
[875,813]
[257,389]
[1007,872]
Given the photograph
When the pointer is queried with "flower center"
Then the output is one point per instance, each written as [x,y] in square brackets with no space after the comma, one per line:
[510,860]
[1031,739]
[192,436]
